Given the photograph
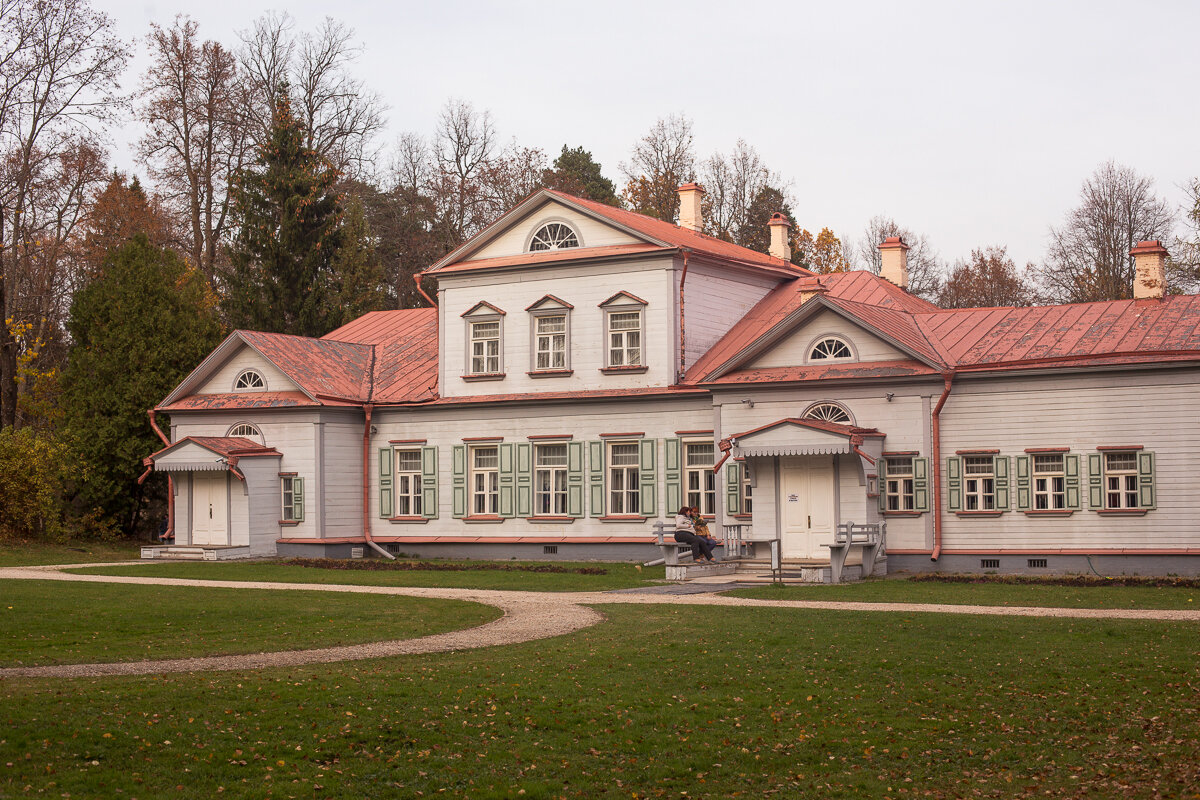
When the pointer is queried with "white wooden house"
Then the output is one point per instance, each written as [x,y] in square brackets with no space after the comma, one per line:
[588,370]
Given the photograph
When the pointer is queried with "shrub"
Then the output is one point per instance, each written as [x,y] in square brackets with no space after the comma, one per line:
[33,466]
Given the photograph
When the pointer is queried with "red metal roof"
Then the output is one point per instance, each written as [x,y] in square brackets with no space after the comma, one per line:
[830,372]
[325,369]
[228,447]
[555,256]
[406,352]
[209,402]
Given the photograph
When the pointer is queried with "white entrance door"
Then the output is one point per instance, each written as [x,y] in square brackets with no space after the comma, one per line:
[210,512]
[807,489]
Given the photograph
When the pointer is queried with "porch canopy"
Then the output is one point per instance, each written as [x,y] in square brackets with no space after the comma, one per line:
[207,454]
[808,437]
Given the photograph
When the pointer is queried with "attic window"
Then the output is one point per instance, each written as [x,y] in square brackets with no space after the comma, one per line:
[828,412]
[830,348]
[553,236]
[245,430]
[250,380]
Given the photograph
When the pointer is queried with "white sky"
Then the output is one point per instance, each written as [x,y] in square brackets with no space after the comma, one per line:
[974,123]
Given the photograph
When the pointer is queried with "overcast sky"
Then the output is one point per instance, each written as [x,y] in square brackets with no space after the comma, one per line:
[974,123]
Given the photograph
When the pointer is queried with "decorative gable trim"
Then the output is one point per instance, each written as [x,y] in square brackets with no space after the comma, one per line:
[483,304]
[625,297]
[223,352]
[549,301]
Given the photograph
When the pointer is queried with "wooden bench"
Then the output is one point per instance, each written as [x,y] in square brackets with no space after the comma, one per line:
[869,536]
[673,553]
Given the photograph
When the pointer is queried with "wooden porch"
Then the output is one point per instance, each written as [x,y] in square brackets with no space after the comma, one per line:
[182,552]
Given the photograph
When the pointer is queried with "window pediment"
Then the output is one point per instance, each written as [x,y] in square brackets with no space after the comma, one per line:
[483,309]
[623,298]
[550,303]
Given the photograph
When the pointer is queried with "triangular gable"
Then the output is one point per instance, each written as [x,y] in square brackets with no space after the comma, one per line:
[206,454]
[549,301]
[483,307]
[205,372]
[623,298]
[746,342]
[803,437]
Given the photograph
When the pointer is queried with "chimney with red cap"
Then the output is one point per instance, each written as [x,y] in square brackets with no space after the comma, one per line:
[691,215]
[893,265]
[1150,268]
[779,237]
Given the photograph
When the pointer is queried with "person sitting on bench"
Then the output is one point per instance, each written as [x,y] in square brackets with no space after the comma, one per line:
[685,532]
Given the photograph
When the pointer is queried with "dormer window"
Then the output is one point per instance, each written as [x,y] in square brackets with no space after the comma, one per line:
[553,236]
[250,380]
[830,348]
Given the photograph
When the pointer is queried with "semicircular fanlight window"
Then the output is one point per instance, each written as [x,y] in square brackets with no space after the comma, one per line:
[553,236]
[830,348]
[828,412]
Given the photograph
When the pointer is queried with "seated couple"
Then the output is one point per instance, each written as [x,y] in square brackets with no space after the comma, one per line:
[690,528]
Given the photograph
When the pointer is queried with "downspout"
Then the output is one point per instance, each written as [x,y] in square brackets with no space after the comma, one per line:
[366,481]
[421,289]
[948,377]
[682,329]
[169,533]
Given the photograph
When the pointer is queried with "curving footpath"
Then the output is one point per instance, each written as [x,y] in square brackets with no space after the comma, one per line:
[527,616]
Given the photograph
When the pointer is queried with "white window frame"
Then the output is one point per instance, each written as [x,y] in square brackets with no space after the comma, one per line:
[979,487]
[624,482]
[288,498]
[811,412]
[704,494]
[535,344]
[1048,482]
[549,481]
[407,483]
[852,355]
[483,482]
[489,319]
[610,350]
[542,225]
[900,488]
[254,433]
[245,375]
[1121,482]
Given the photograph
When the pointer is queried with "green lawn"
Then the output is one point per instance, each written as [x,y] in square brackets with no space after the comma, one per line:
[900,590]
[51,622]
[617,575]
[658,701]
[23,554]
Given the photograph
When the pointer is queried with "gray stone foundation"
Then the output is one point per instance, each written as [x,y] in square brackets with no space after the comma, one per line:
[1106,565]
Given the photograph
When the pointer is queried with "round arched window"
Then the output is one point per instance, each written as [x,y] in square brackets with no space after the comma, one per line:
[830,347]
[244,430]
[553,236]
[249,381]
[828,412]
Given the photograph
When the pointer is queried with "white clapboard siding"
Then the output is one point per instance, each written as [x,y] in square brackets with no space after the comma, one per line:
[793,350]
[901,419]
[591,233]
[445,428]
[1081,413]
[343,480]
[222,380]
[585,288]
[713,303]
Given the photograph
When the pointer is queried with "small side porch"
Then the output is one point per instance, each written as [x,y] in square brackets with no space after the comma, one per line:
[183,552]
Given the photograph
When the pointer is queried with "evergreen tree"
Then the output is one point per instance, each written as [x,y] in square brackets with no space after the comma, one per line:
[576,172]
[280,272]
[137,330]
[357,284]
[756,234]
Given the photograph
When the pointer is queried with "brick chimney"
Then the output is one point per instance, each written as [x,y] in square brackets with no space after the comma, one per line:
[1150,267]
[779,237]
[691,215]
[893,266]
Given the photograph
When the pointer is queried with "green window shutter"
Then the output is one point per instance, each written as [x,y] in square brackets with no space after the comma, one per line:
[1146,498]
[921,484]
[575,479]
[648,477]
[524,480]
[508,478]
[385,482]
[1024,486]
[596,478]
[1000,464]
[733,488]
[673,471]
[458,465]
[1071,473]
[1095,481]
[298,499]
[429,483]
[954,498]
[881,483]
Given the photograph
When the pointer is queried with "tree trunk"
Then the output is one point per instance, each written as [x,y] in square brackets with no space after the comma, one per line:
[8,347]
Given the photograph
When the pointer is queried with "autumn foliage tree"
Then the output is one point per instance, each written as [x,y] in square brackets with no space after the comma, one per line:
[823,254]
[988,278]
[661,162]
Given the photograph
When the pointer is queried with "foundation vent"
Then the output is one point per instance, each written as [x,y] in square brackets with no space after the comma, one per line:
[356,552]
[1036,563]
[989,563]
[549,549]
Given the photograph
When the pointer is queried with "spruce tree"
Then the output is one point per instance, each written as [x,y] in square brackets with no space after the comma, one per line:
[357,282]
[289,216]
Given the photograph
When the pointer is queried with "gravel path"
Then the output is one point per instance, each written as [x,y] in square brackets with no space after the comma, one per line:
[527,616]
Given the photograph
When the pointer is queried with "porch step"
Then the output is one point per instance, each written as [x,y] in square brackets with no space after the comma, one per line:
[795,571]
[687,572]
[194,553]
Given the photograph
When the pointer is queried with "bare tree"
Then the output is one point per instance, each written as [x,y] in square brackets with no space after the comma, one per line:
[661,161]
[924,266]
[196,141]
[340,115]
[732,184]
[62,64]
[988,278]
[1088,257]
[1183,268]
[464,149]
